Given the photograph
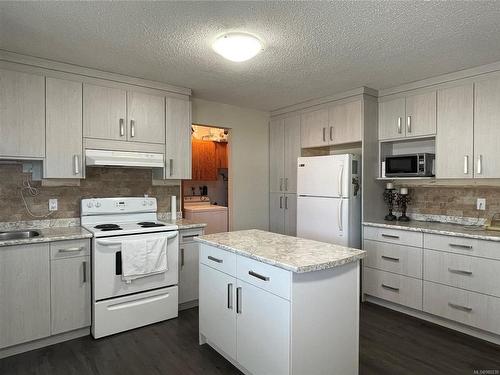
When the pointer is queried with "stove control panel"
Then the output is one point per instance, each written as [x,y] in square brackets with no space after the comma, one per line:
[99,206]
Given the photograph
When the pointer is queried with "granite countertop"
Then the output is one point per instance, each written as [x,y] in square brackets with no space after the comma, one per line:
[185,224]
[290,253]
[49,235]
[467,231]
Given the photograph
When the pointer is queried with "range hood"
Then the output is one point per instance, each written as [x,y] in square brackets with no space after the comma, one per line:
[107,158]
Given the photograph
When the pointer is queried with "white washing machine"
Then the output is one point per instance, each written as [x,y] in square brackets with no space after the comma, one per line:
[199,209]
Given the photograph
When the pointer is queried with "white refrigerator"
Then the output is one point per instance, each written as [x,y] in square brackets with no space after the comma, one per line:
[329,199]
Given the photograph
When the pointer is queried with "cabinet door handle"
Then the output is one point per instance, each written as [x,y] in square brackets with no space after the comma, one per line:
[385,286]
[286,184]
[171,167]
[331,133]
[408,124]
[390,236]
[258,276]
[460,246]
[480,164]
[132,128]
[460,307]
[460,272]
[286,203]
[84,272]
[230,296]
[238,300]
[281,202]
[400,120]
[72,249]
[76,164]
[281,184]
[390,258]
[217,260]
[122,127]
[466,164]
[182,257]
[324,134]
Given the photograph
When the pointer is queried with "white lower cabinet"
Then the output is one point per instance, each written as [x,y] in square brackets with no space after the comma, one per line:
[262,331]
[217,309]
[189,254]
[270,321]
[283,213]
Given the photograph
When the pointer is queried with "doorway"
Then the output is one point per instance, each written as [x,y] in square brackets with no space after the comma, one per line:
[206,196]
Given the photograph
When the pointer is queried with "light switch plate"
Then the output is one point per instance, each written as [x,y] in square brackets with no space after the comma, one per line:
[481,204]
[52,204]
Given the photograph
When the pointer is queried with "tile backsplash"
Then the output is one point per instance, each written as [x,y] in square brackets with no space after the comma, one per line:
[99,182]
[459,201]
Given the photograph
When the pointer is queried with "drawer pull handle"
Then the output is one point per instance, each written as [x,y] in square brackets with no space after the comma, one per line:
[189,236]
[258,276]
[390,236]
[460,307]
[390,288]
[459,246]
[215,259]
[72,249]
[230,296]
[461,272]
[390,258]
[238,300]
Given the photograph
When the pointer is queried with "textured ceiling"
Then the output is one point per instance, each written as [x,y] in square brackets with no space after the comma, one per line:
[313,49]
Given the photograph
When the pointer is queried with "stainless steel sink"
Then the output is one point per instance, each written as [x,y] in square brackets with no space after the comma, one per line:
[18,235]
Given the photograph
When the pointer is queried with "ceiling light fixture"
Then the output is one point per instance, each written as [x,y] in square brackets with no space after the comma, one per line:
[237,47]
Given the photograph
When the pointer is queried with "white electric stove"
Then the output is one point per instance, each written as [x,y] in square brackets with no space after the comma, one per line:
[117,305]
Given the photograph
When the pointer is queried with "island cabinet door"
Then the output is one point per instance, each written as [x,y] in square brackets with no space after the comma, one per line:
[263,331]
[217,307]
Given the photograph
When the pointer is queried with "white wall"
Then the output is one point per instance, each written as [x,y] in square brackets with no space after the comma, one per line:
[248,160]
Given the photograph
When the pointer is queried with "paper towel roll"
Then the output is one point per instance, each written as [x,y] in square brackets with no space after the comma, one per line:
[173,207]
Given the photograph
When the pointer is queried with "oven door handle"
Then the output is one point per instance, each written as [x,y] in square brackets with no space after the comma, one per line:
[109,243]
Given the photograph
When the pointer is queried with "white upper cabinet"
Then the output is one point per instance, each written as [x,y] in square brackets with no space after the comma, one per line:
[487,128]
[410,116]
[314,128]
[63,129]
[455,124]
[22,114]
[276,155]
[345,123]
[146,117]
[178,142]
[104,112]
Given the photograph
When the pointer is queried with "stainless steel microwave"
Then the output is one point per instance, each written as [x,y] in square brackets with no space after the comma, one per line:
[410,165]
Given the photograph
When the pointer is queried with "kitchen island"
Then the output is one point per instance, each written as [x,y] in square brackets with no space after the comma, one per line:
[274,304]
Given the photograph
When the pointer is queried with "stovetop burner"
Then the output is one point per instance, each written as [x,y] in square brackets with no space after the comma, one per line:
[150,224]
[107,226]
[110,229]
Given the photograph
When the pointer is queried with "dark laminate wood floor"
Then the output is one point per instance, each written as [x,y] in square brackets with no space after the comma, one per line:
[390,343]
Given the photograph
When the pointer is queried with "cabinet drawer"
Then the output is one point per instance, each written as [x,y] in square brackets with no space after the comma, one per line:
[474,309]
[397,236]
[221,260]
[71,248]
[189,235]
[273,279]
[462,271]
[399,289]
[403,260]
[461,245]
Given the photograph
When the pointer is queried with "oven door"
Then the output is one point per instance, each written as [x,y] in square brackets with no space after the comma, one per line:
[401,166]
[106,262]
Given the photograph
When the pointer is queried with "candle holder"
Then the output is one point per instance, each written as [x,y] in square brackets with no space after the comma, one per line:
[389,197]
[403,200]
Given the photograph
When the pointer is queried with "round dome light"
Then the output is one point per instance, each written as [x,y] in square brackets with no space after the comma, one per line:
[237,47]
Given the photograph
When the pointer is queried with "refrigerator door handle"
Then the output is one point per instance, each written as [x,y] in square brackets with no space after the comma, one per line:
[341,224]
[341,178]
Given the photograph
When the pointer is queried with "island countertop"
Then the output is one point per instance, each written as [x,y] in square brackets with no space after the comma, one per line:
[290,253]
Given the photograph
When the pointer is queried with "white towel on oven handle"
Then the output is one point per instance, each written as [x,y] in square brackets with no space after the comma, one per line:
[144,257]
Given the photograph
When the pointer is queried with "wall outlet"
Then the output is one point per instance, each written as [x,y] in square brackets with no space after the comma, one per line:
[481,204]
[52,204]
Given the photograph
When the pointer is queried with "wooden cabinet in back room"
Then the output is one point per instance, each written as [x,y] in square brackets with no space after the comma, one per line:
[204,161]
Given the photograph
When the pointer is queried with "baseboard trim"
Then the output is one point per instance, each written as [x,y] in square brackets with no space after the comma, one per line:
[462,328]
[37,344]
